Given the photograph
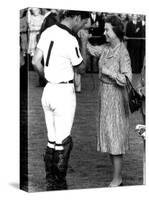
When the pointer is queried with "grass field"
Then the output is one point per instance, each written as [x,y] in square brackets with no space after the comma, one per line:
[87,167]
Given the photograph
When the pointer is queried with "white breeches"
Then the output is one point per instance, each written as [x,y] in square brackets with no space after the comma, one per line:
[59,104]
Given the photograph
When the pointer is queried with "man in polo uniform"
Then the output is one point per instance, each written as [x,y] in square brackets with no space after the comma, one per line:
[60,50]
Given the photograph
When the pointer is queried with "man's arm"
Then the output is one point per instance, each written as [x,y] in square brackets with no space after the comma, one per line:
[36,62]
[81,68]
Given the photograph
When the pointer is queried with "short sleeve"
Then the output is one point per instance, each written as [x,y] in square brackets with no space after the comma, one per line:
[74,53]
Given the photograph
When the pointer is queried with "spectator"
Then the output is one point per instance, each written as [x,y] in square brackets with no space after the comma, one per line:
[141,90]
[35,19]
[23,32]
[134,32]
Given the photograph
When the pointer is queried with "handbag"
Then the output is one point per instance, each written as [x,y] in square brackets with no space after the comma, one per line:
[135,100]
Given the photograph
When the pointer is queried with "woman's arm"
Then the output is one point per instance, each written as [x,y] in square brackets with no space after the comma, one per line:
[95,50]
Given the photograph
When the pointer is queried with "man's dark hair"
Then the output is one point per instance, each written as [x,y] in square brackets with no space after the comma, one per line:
[82,14]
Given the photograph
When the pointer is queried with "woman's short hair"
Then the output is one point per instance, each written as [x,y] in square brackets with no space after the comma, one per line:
[117,24]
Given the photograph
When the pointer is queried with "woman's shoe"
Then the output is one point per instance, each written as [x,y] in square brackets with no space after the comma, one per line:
[121,184]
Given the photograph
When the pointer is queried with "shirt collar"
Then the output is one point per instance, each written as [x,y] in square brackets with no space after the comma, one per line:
[66,28]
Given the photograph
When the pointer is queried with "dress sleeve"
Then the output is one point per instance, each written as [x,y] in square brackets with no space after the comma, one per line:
[95,50]
[125,68]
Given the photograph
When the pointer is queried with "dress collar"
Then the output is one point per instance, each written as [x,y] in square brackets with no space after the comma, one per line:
[113,51]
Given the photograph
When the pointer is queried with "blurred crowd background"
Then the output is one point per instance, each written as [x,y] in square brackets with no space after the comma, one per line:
[31,20]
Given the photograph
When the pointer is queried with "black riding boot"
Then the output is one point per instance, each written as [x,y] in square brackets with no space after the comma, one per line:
[61,158]
[49,168]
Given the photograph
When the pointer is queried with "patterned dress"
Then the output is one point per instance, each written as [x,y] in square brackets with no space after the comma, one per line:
[113,110]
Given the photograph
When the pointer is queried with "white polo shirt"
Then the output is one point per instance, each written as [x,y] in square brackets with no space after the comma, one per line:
[64,53]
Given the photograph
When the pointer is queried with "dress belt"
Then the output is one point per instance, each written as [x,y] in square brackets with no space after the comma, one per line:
[112,83]
[64,82]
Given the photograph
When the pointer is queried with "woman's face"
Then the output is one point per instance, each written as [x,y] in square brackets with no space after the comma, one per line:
[36,11]
[109,33]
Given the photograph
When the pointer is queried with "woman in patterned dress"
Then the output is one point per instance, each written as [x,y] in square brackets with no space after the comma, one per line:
[141,89]
[113,113]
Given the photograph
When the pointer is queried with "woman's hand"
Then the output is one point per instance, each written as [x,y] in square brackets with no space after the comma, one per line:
[141,91]
[105,71]
[108,72]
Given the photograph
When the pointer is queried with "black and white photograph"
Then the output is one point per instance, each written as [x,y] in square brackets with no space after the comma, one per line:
[74,89]
[82,76]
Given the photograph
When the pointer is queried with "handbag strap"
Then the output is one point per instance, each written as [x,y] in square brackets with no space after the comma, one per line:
[127,79]
[129,84]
